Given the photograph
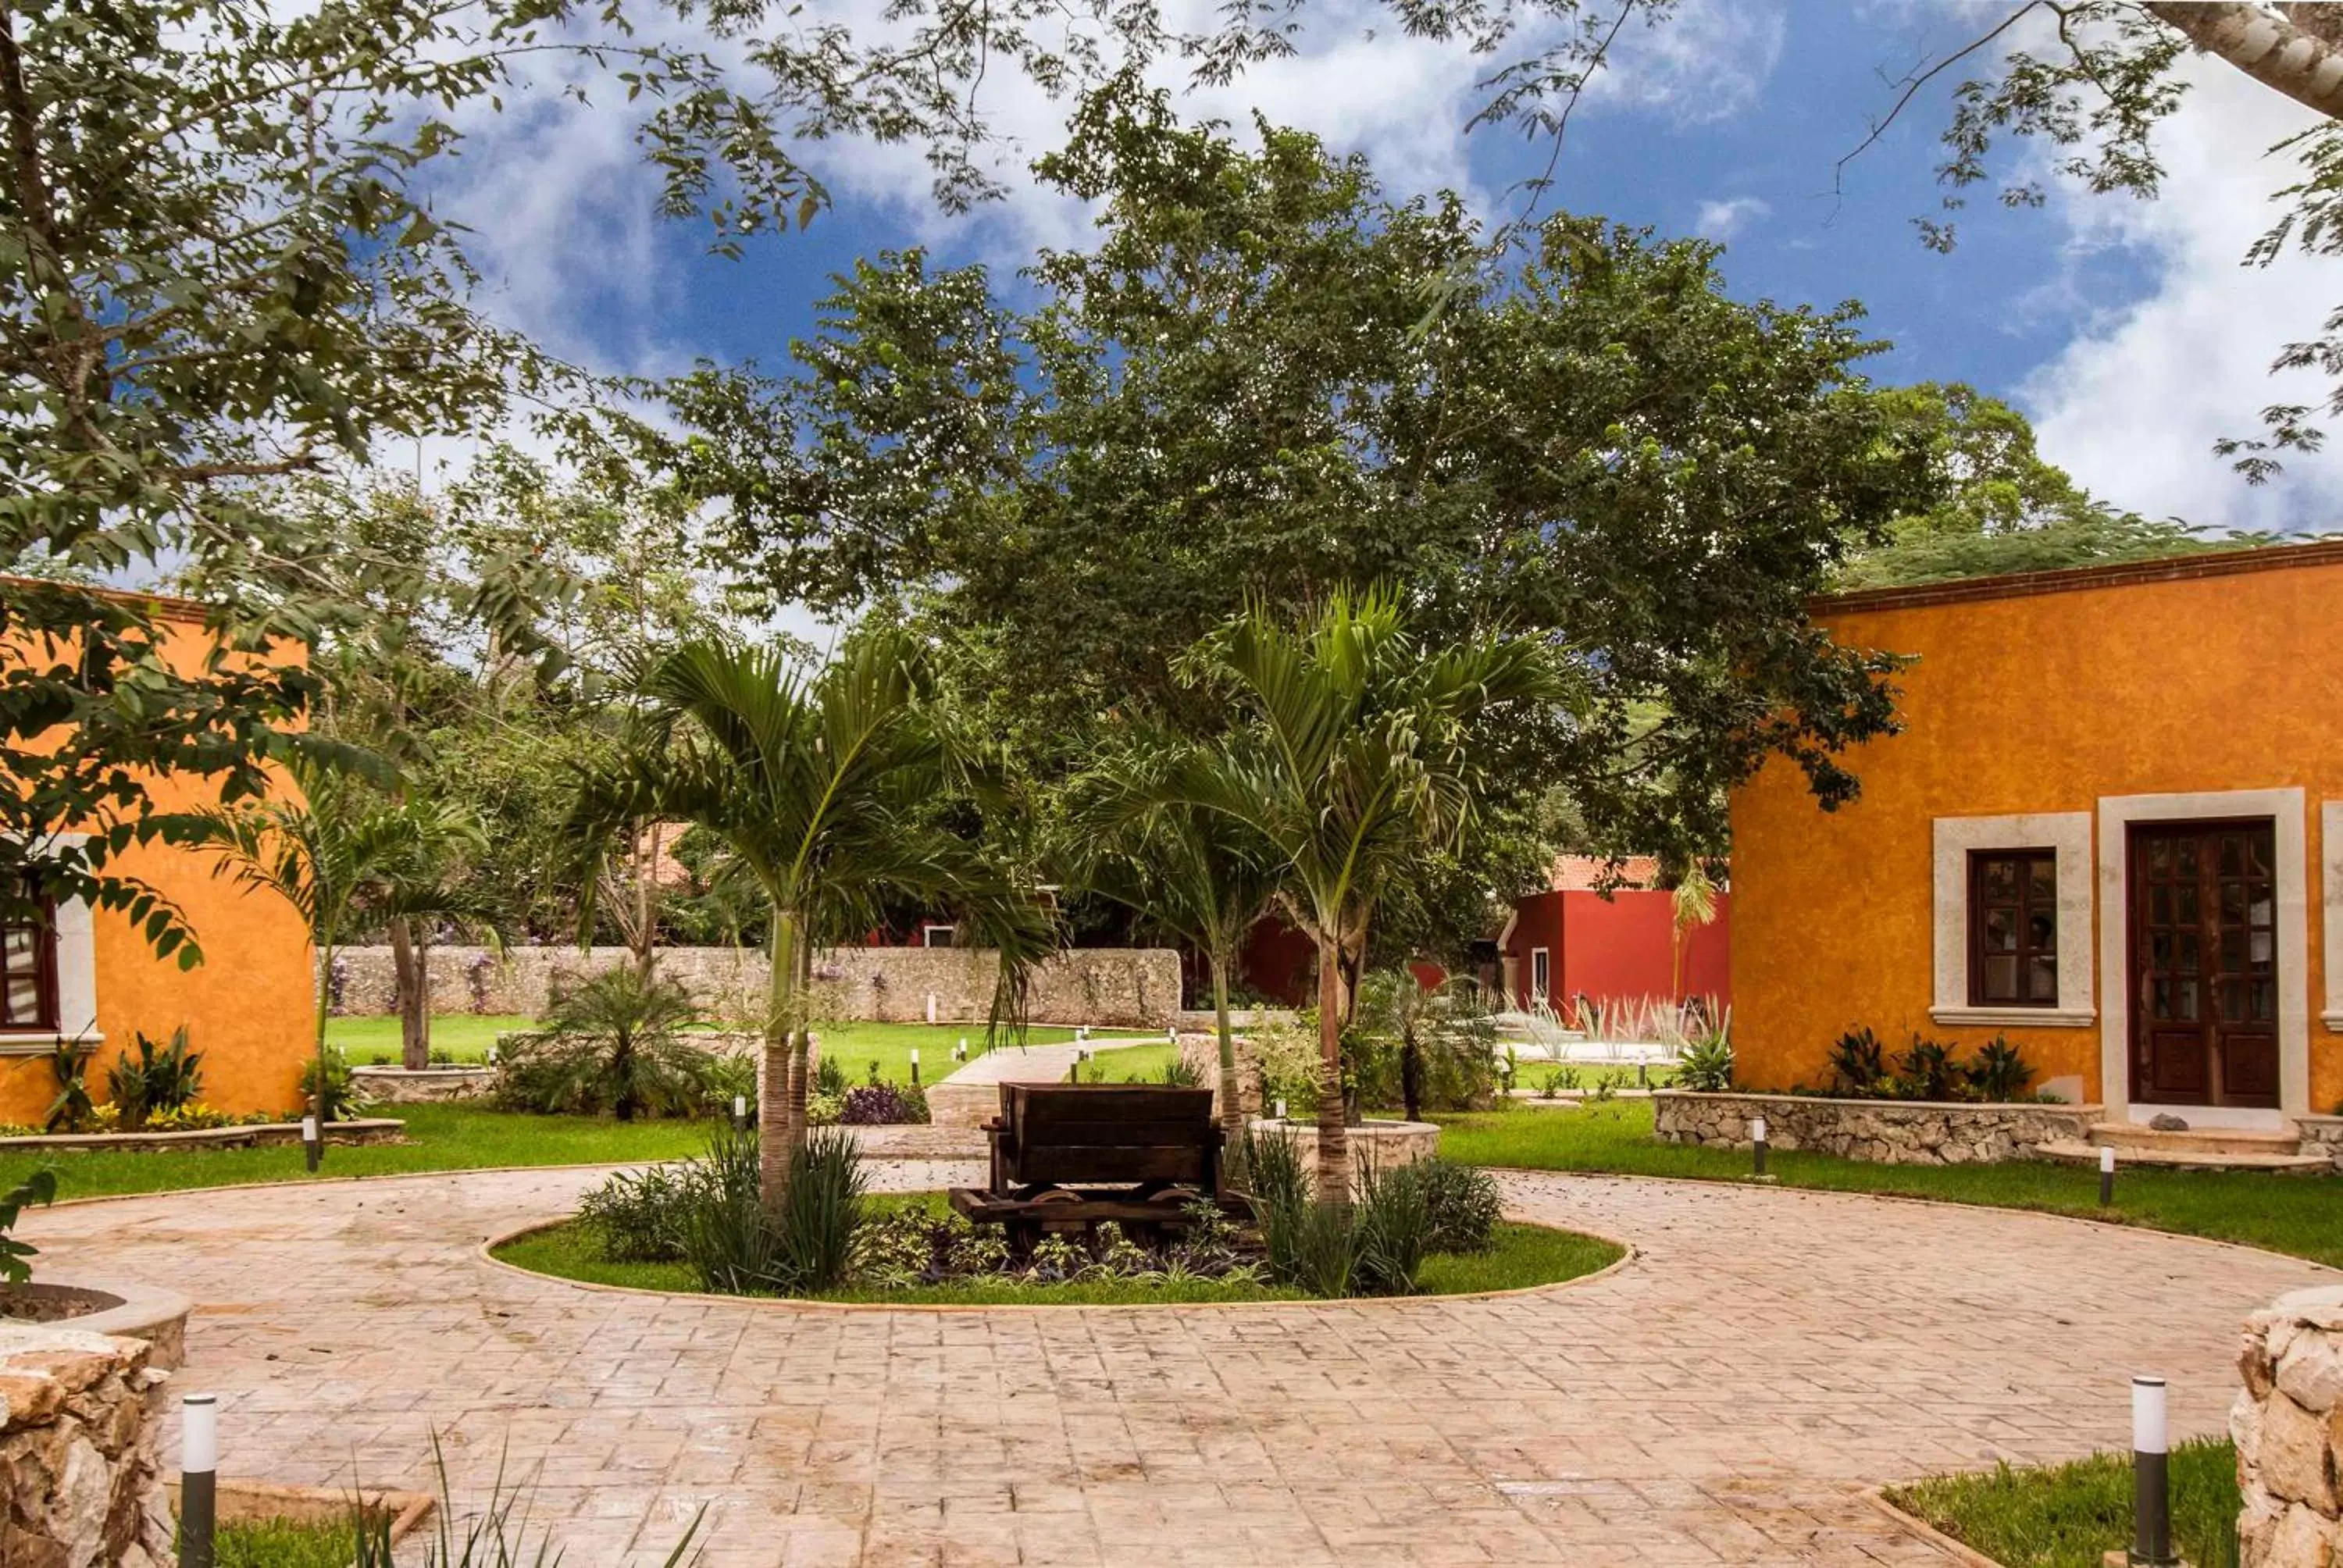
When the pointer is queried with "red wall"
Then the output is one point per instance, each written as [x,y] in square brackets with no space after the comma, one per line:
[1619,948]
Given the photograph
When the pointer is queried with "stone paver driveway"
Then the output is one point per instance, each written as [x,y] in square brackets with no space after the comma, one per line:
[1721,1400]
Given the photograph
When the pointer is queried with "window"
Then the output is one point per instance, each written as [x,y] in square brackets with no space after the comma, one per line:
[936,936]
[2013,928]
[28,969]
[1541,977]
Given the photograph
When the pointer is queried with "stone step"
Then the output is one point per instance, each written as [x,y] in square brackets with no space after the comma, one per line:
[2124,1135]
[2184,1159]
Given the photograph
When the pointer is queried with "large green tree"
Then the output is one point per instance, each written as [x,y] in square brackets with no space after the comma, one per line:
[1267,379]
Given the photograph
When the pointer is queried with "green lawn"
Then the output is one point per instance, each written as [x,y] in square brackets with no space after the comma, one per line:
[2302,1215]
[467,1036]
[2066,1516]
[1524,1255]
[282,1544]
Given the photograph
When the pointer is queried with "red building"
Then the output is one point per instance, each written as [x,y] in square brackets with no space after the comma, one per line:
[1619,946]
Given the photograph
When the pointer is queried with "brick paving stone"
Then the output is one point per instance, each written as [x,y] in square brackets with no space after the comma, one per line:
[1723,1399]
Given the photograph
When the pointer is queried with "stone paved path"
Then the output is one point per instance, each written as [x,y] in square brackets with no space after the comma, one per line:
[1721,1400]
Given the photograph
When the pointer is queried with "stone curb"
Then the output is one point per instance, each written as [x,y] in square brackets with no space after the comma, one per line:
[485,1253]
[1920,1529]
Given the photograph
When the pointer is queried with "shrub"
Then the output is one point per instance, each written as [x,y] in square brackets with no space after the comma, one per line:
[613,1041]
[1999,1070]
[719,1226]
[1706,1065]
[638,1215]
[823,1208]
[883,1104]
[1858,1063]
[1180,1073]
[343,1100]
[154,1080]
[1928,1070]
[829,1079]
[726,1078]
[193,1116]
[1465,1205]
[824,1110]
[1372,1247]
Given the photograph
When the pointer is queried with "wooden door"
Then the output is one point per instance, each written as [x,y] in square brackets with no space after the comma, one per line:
[2204,964]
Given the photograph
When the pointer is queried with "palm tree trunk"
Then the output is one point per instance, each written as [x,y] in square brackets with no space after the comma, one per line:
[410,967]
[314,1154]
[1334,1138]
[1233,1116]
[775,1090]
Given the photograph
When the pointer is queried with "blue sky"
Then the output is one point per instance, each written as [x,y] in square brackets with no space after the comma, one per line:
[2127,329]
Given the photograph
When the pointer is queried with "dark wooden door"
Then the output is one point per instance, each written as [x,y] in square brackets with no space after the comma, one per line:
[2204,964]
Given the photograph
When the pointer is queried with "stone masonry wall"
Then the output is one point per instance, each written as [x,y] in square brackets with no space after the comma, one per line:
[78,1469]
[1110,986]
[2289,1426]
[2322,1135]
[1903,1132]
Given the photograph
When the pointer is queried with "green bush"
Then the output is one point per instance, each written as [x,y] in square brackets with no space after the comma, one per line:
[40,1187]
[638,1215]
[1858,1063]
[712,1216]
[1999,1070]
[1374,1247]
[1465,1205]
[614,1042]
[343,1100]
[1706,1065]
[154,1080]
[72,1110]
[826,1185]
[1391,1230]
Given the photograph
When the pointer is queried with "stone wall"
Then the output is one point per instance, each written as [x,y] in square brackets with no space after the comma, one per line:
[1112,987]
[2289,1426]
[2322,1135]
[1903,1132]
[77,1460]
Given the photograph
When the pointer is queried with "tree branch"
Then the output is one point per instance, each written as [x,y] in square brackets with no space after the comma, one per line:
[2265,45]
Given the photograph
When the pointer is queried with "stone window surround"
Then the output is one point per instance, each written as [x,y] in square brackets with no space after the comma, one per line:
[2068,835]
[76,983]
[2330,891]
[2286,810]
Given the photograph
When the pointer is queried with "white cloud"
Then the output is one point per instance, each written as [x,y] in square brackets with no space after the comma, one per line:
[1722,220]
[2133,404]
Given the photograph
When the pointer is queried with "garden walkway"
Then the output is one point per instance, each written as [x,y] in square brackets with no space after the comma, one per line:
[1721,1400]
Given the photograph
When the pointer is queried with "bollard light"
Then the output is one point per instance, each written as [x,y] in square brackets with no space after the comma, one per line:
[1171,1036]
[1758,1144]
[198,1480]
[915,1067]
[1642,1075]
[2106,1176]
[739,1111]
[2151,1494]
[310,1151]
[1281,1110]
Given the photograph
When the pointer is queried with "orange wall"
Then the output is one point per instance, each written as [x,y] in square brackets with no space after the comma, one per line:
[2043,702]
[247,1007]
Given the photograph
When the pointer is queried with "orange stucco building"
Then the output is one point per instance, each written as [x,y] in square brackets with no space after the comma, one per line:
[2111,829]
[90,977]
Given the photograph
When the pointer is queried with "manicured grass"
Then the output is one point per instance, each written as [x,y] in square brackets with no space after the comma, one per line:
[1134,1063]
[1524,1255]
[283,1544]
[2066,1516]
[2301,1215]
[440,1138]
[467,1037]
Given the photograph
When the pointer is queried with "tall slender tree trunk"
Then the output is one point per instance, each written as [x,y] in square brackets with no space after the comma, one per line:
[410,969]
[801,1051]
[1334,1136]
[1233,1116]
[314,1154]
[775,1092]
[645,934]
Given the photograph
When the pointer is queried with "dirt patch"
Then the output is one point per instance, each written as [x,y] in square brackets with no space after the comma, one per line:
[52,1304]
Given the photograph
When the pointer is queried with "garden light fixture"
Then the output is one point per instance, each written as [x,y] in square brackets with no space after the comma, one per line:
[198,1480]
[312,1150]
[2106,1176]
[1758,1144]
[2151,1494]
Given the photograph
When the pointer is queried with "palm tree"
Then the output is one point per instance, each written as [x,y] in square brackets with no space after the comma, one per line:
[1203,876]
[1360,757]
[1692,903]
[824,788]
[341,853]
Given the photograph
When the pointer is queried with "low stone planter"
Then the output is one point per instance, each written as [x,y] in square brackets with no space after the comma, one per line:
[2287,1423]
[1894,1131]
[2322,1135]
[130,1312]
[359,1129]
[77,1440]
[425,1085]
[1379,1145]
[717,1042]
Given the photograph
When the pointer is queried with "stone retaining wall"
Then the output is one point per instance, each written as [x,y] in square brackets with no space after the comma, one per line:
[2322,1135]
[1201,1052]
[83,1486]
[432,1086]
[1903,1132]
[1116,987]
[1375,1144]
[2289,1426]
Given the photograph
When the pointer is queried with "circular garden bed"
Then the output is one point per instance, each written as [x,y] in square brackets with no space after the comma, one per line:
[1520,1257]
